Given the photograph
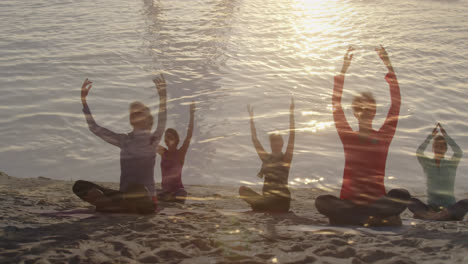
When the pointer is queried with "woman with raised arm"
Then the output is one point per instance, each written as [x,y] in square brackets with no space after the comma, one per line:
[172,162]
[363,198]
[275,195]
[440,174]
[137,158]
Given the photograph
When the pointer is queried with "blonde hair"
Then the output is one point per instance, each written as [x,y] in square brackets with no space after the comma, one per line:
[140,107]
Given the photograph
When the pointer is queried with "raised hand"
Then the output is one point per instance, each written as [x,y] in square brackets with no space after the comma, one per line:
[250,110]
[291,108]
[87,84]
[292,135]
[192,108]
[384,57]
[160,83]
[347,60]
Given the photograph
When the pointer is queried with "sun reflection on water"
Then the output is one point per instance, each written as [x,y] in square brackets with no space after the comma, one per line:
[314,25]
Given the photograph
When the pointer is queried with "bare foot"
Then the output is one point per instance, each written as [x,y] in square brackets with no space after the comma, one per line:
[443,215]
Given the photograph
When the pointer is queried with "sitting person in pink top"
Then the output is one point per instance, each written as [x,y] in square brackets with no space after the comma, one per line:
[363,198]
[172,162]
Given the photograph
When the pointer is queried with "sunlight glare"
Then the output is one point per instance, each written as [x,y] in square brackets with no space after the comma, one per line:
[314,21]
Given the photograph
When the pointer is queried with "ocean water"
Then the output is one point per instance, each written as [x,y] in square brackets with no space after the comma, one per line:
[225,54]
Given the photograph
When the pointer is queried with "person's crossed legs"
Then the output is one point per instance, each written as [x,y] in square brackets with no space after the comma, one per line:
[384,211]
[134,200]
[455,212]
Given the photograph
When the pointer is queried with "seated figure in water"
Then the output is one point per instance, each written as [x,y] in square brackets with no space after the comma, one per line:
[363,200]
[440,174]
[275,195]
[172,162]
[137,158]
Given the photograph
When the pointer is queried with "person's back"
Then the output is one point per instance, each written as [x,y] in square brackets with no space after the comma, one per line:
[365,150]
[363,191]
[171,171]
[172,162]
[276,172]
[440,174]
[365,161]
[275,195]
[137,158]
[137,161]
[441,183]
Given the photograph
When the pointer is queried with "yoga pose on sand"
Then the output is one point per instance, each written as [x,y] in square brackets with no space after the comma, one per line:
[440,174]
[137,158]
[172,162]
[363,199]
[275,195]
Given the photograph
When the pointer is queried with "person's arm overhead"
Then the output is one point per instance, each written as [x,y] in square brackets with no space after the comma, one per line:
[104,133]
[160,83]
[188,138]
[292,134]
[391,122]
[258,146]
[420,151]
[457,151]
[339,117]
[160,150]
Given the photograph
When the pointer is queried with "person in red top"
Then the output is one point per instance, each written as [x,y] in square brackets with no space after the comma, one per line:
[363,197]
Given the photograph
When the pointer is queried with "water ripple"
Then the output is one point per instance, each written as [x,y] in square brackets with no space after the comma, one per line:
[224,54]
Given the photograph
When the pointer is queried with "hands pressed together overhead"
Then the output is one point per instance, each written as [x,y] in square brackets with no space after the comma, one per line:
[442,130]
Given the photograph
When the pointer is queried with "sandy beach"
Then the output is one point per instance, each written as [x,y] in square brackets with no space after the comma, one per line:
[41,221]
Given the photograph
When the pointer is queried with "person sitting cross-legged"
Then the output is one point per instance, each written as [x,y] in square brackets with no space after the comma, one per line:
[137,158]
[275,197]
[363,199]
[440,173]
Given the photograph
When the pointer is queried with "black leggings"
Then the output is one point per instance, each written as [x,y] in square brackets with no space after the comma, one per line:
[178,196]
[456,211]
[134,200]
[345,212]
[270,203]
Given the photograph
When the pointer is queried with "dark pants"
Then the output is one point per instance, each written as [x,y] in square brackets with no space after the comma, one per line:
[345,212]
[178,196]
[134,200]
[456,212]
[262,203]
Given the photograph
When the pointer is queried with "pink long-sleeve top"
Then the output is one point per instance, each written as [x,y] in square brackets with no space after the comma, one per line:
[365,158]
